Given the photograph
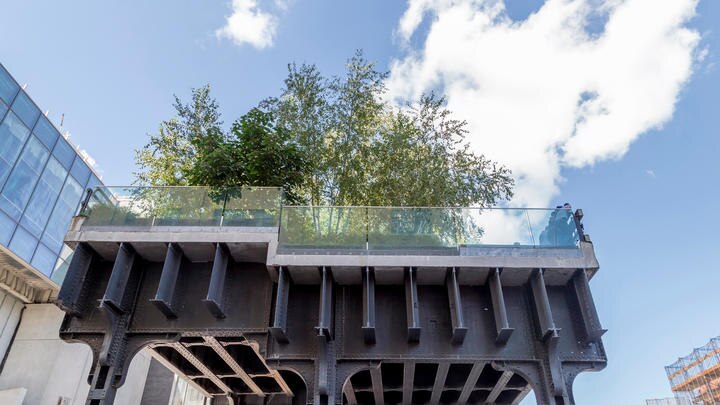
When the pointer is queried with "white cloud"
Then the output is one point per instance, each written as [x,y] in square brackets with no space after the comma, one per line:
[249,25]
[542,93]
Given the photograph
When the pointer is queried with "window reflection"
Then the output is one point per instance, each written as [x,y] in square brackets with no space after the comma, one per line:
[16,192]
[8,87]
[80,171]
[62,214]
[44,259]
[12,136]
[64,153]
[7,226]
[44,197]
[23,244]
[45,131]
[26,109]
[3,109]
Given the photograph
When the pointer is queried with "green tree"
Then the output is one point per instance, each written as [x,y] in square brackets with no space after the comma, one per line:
[365,151]
[328,141]
[191,149]
[257,153]
[166,159]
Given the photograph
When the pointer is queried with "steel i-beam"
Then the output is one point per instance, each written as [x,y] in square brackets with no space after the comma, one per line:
[412,305]
[368,327]
[580,286]
[165,295]
[119,278]
[455,301]
[215,300]
[502,327]
[325,319]
[279,326]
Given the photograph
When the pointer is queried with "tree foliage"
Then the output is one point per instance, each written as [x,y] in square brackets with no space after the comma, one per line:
[365,151]
[192,149]
[328,141]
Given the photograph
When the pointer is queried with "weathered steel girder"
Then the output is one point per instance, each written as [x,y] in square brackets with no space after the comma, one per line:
[235,329]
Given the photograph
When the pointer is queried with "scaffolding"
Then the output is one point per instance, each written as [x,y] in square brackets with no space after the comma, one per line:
[697,376]
[668,401]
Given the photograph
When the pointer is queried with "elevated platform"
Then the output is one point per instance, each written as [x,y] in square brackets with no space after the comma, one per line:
[374,311]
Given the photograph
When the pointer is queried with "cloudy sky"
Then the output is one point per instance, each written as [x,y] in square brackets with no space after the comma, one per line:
[608,104]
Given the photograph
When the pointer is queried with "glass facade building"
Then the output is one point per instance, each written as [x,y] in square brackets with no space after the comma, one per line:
[42,182]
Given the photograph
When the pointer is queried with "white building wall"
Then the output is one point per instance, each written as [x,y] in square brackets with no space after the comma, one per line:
[10,310]
[54,371]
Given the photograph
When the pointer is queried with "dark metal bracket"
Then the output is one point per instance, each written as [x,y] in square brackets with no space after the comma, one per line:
[459,330]
[502,327]
[580,286]
[368,328]
[325,320]
[215,300]
[279,326]
[165,296]
[412,305]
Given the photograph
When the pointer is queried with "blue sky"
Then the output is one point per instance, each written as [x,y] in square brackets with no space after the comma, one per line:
[650,194]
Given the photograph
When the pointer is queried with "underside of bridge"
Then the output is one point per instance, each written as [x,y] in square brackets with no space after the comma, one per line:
[244,323]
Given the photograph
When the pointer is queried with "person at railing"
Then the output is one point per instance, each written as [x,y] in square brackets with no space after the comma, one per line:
[560,230]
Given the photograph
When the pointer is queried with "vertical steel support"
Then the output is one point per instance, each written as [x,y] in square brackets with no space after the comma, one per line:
[499,386]
[215,300]
[439,382]
[469,386]
[408,382]
[119,277]
[349,393]
[542,305]
[368,328]
[325,319]
[548,332]
[412,305]
[455,301]
[377,384]
[590,321]
[70,293]
[279,327]
[101,390]
[502,327]
[165,295]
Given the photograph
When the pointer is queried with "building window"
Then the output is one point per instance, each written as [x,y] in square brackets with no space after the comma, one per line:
[12,137]
[62,214]
[26,109]
[64,153]
[23,244]
[8,87]
[7,226]
[43,200]
[16,192]
[80,171]
[62,264]
[46,132]
[44,259]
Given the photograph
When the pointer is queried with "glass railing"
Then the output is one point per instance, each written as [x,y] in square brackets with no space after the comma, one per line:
[183,206]
[353,228]
[403,228]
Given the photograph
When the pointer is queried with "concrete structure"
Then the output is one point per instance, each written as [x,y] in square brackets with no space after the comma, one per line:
[253,303]
[43,180]
[696,377]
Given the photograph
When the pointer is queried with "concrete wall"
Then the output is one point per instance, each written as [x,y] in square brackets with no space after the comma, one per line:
[10,310]
[53,371]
